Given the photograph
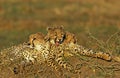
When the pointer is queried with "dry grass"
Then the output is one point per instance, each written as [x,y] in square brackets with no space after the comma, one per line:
[14,66]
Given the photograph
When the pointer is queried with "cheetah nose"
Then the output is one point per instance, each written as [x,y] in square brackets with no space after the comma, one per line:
[59,40]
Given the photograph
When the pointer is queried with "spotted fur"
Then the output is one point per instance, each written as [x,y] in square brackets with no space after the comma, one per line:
[78,49]
[53,55]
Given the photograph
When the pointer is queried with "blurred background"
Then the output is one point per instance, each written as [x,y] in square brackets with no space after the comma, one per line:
[20,18]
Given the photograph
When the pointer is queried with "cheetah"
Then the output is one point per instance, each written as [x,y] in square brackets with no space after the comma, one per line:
[37,42]
[80,50]
[60,34]
[57,35]
[36,38]
[53,55]
[51,35]
[66,38]
[70,38]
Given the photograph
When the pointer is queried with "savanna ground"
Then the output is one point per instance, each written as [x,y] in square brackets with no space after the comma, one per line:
[95,23]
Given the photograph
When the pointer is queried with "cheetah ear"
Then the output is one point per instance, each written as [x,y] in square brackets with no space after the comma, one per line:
[75,38]
[61,27]
[49,28]
[73,35]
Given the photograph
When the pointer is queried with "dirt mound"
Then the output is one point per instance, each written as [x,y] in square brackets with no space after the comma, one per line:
[15,66]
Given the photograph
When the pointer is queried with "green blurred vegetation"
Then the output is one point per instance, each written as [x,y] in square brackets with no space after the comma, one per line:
[22,17]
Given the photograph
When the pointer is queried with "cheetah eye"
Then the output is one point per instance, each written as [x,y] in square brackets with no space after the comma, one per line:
[63,35]
[34,38]
[55,34]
